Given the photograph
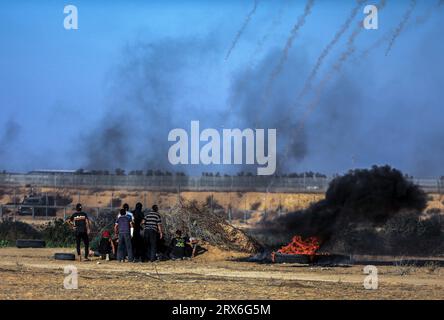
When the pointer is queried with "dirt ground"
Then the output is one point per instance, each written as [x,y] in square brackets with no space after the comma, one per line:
[34,274]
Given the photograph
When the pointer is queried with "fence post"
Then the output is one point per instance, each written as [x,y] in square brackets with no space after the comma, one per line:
[64,213]
[33,213]
[46,205]
[1,212]
[245,212]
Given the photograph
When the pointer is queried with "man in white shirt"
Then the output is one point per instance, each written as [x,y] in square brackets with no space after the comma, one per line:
[129,214]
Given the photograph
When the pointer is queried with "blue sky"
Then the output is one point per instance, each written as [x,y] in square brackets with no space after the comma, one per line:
[144,67]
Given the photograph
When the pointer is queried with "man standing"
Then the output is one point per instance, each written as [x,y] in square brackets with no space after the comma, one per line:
[128,214]
[137,240]
[80,223]
[152,225]
[122,228]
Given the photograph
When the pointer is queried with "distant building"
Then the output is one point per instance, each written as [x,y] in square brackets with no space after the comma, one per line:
[52,172]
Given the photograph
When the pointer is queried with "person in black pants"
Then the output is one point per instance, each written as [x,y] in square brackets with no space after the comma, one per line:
[81,225]
[152,225]
[137,240]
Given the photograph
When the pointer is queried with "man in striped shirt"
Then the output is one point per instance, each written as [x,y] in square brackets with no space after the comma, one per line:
[152,225]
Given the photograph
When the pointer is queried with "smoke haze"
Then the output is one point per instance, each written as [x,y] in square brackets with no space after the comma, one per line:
[111,103]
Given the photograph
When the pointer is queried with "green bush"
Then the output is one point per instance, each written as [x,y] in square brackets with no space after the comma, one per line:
[57,233]
[4,243]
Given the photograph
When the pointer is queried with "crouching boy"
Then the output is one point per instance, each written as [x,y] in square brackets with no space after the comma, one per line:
[180,247]
[107,250]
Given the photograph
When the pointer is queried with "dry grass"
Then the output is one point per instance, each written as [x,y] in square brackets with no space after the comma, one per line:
[33,274]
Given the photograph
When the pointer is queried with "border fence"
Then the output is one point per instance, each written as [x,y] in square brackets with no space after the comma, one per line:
[176,184]
[187,183]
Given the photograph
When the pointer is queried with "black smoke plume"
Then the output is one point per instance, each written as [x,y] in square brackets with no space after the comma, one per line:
[359,207]
[150,87]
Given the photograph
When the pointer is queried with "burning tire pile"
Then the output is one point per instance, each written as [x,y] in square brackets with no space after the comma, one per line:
[366,212]
[306,252]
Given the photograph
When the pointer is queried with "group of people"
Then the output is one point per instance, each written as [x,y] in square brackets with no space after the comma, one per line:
[139,236]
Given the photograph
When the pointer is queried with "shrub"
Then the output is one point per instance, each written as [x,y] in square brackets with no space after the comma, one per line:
[57,233]
[4,243]
[408,234]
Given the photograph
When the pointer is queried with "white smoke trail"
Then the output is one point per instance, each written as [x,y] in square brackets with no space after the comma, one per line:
[293,33]
[401,25]
[283,58]
[337,66]
[250,67]
[274,24]
[420,20]
[350,49]
[329,47]
[242,29]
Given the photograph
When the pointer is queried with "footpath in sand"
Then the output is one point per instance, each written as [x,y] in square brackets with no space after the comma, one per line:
[34,274]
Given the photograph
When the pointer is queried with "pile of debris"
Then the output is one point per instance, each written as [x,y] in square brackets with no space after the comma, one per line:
[200,222]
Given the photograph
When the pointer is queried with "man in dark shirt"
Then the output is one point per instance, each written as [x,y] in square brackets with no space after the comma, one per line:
[123,228]
[152,225]
[81,225]
[137,240]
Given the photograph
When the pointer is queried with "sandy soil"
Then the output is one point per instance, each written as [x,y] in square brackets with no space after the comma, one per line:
[33,274]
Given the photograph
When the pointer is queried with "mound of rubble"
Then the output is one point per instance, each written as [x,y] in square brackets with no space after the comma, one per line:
[200,222]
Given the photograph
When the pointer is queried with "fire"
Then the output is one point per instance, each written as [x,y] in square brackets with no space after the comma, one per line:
[298,245]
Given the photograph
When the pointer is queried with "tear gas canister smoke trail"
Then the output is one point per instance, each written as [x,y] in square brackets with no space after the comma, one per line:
[242,29]
[401,25]
[420,20]
[283,58]
[330,46]
[294,32]
[275,22]
[350,49]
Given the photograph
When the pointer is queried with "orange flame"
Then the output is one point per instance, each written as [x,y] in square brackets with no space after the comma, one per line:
[297,245]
